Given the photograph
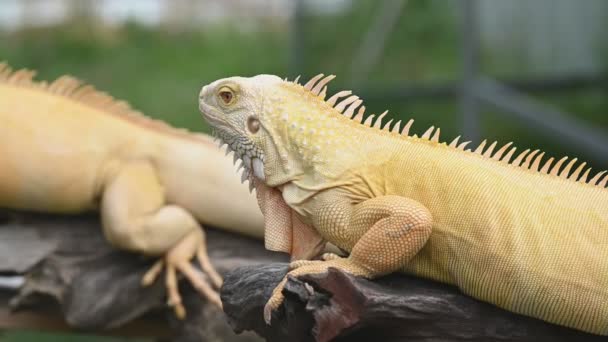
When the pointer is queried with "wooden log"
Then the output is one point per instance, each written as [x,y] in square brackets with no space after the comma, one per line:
[339,307]
[76,280]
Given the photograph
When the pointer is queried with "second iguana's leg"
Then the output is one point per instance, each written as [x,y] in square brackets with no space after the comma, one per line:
[135,217]
[383,234]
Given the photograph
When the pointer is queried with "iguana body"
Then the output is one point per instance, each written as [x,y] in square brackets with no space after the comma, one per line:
[529,237]
[68,148]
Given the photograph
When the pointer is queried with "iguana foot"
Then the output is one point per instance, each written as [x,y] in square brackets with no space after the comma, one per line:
[178,258]
[303,267]
[299,263]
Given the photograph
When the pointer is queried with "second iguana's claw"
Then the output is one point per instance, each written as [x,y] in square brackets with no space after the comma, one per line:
[178,260]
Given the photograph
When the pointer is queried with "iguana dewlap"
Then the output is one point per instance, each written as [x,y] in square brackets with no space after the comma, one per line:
[67,148]
[528,235]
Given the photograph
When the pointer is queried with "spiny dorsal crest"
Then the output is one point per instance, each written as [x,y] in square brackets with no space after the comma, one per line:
[347,104]
[73,89]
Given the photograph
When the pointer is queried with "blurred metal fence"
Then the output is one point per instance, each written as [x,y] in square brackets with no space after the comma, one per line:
[473,89]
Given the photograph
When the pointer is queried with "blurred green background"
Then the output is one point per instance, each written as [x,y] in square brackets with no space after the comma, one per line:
[160,67]
[159,64]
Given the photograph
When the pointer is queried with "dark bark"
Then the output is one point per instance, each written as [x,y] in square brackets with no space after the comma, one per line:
[339,307]
[72,272]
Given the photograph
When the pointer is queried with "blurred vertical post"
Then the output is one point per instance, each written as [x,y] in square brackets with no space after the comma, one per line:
[469,32]
[374,41]
[180,15]
[296,39]
[29,10]
[81,10]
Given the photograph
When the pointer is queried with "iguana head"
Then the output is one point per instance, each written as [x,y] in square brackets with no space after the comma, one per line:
[234,108]
[271,124]
[283,131]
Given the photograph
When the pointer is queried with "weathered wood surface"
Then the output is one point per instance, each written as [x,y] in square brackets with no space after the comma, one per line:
[75,279]
[339,307]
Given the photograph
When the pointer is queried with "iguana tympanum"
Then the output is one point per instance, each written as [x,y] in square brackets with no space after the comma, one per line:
[529,238]
[66,148]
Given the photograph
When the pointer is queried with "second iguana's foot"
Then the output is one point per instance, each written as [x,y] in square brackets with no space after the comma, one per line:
[303,267]
[178,259]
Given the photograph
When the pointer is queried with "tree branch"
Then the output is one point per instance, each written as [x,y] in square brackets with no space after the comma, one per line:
[339,307]
[75,279]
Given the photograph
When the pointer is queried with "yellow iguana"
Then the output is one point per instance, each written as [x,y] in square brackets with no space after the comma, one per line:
[529,238]
[66,148]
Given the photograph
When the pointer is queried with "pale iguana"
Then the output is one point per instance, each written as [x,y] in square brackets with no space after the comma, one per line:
[529,238]
[66,148]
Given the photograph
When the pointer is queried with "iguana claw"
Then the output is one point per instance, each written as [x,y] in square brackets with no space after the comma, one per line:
[178,259]
[275,300]
[304,267]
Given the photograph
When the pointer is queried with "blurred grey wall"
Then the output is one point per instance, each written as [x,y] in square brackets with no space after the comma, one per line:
[547,36]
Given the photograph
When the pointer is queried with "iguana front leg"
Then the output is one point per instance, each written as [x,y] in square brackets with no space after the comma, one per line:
[135,217]
[382,233]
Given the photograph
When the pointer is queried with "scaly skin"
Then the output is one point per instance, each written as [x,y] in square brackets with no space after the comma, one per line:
[532,241]
[67,148]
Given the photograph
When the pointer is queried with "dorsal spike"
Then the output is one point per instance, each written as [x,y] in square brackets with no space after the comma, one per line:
[603,182]
[507,157]
[519,158]
[557,165]
[406,128]
[397,127]
[502,150]
[583,178]
[578,170]
[463,145]
[369,120]
[488,152]
[82,92]
[566,170]
[351,109]
[64,85]
[359,116]
[87,95]
[310,84]
[435,137]
[479,148]
[323,93]
[378,123]
[297,80]
[5,70]
[332,100]
[322,83]
[454,142]
[340,106]
[547,165]
[428,132]
[387,126]
[26,76]
[528,159]
[596,178]
[537,161]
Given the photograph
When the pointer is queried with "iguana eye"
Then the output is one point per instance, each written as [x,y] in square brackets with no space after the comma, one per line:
[226,95]
[253,124]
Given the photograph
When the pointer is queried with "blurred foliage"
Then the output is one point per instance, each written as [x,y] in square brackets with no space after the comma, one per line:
[160,70]
[157,71]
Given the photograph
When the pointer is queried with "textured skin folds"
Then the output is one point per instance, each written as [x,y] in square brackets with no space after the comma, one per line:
[529,237]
